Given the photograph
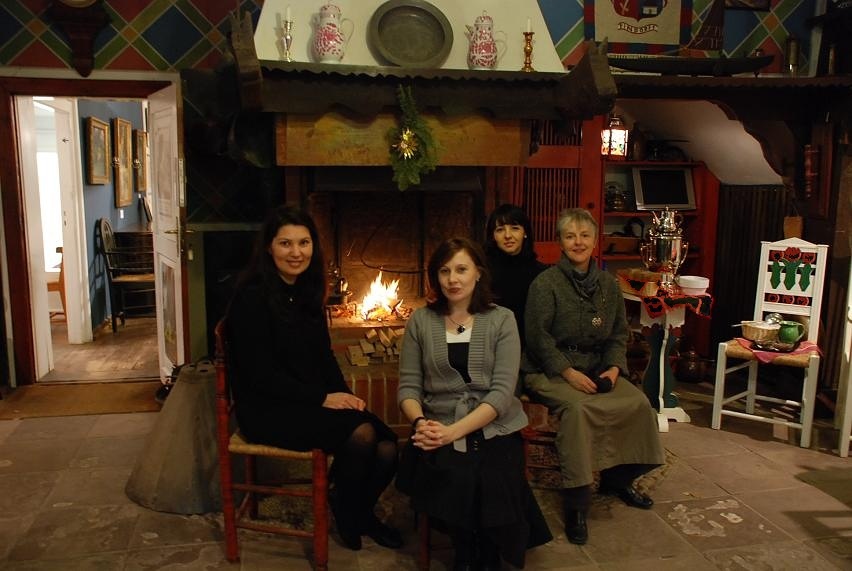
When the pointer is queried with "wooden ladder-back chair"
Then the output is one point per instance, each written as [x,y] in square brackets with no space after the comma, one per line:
[789,281]
[245,515]
[129,273]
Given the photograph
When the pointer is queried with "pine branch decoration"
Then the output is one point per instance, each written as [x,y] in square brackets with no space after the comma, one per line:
[413,151]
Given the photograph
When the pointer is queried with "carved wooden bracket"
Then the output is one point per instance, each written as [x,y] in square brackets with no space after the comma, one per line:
[81,24]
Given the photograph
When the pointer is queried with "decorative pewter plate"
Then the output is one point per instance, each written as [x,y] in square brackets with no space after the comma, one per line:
[410,33]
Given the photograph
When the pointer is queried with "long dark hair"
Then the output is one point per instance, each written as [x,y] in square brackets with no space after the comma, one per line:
[312,282]
[481,299]
[509,214]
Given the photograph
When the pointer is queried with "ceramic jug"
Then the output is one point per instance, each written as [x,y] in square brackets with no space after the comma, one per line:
[791,331]
[329,38]
[484,51]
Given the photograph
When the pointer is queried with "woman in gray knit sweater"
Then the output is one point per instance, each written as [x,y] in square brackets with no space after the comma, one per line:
[458,371]
[576,364]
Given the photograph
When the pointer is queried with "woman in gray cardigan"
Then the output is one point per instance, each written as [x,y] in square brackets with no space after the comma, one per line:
[576,364]
[458,372]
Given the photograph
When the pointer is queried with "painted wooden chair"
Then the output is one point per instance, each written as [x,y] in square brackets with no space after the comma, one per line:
[790,282]
[129,274]
[245,514]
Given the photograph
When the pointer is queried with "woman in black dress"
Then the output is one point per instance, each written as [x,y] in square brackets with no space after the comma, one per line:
[511,259]
[288,388]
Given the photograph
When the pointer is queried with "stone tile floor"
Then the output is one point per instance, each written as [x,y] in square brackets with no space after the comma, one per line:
[744,497]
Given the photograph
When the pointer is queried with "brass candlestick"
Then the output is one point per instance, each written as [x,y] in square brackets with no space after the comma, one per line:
[288,39]
[528,51]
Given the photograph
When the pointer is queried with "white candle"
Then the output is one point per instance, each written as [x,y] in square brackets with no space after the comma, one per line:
[289,16]
[529,25]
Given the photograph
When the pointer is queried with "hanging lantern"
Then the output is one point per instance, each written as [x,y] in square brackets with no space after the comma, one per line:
[614,139]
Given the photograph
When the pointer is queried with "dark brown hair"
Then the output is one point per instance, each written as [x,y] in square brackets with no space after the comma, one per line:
[313,280]
[481,299]
[509,214]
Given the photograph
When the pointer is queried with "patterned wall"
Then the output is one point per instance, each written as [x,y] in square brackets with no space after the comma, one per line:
[145,35]
[172,35]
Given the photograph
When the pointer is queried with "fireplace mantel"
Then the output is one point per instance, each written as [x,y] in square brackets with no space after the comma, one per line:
[586,90]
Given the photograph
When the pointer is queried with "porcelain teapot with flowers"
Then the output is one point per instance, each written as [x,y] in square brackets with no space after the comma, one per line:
[329,38]
[484,51]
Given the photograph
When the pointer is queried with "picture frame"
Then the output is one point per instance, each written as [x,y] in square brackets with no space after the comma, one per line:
[629,28]
[140,159]
[98,151]
[123,161]
[753,5]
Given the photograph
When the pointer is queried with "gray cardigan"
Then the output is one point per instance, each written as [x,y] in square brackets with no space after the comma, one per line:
[560,330]
[425,373]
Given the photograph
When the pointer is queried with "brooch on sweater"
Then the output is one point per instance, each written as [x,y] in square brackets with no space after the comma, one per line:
[597,321]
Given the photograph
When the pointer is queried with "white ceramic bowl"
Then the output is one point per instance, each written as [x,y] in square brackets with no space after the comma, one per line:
[693,285]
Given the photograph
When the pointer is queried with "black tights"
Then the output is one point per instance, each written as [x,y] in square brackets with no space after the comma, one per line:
[363,467]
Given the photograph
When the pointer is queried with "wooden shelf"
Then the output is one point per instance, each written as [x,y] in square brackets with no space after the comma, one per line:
[635,213]
[628,257]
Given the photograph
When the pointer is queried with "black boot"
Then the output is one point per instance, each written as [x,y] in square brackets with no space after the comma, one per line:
[576,503]
[575,527]
[464,544]
[348,528]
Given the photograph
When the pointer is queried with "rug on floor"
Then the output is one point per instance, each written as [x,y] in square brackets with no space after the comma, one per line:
[34,401]
[394,506]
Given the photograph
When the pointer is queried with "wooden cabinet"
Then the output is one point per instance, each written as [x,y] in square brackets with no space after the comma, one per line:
[622,227]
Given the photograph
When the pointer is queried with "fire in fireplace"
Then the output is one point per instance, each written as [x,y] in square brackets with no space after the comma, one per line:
[382,301]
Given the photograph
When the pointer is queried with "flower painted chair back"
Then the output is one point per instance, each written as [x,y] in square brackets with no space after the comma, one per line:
[484,51]
[329,38]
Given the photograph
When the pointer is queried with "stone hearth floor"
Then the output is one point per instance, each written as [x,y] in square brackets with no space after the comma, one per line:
[740,498]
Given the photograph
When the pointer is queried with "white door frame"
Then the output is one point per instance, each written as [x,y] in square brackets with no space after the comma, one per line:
[80,234]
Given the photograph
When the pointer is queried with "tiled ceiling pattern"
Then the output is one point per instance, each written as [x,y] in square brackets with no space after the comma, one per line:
[172,35]
[157,35]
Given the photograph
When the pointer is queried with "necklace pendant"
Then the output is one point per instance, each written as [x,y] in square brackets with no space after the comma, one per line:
[460,329]
[597,321]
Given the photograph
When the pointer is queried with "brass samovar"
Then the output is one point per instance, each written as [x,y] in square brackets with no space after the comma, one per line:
[664,249]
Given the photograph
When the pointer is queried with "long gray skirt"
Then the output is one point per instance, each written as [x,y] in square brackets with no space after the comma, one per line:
[598,431]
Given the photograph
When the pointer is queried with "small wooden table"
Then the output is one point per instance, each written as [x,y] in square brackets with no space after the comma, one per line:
[661,342]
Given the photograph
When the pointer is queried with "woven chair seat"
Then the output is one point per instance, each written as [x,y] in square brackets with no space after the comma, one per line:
[239,445]
[134,278]
[736,351]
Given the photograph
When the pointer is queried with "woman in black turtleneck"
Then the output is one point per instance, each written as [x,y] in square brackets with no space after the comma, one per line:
[511,259]
[288,388]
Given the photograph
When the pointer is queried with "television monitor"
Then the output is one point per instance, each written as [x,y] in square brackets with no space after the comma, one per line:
[658,187]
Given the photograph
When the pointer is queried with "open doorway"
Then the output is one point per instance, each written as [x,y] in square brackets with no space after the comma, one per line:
[73,343]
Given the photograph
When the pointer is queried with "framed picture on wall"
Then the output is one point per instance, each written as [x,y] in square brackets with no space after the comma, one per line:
[122,131]
[98,151]
[140,159]
[650,28]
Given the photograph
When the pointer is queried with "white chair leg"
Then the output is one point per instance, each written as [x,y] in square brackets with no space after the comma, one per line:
[719,389]
[752,387]
[845,427]
[809,399]
[844,407]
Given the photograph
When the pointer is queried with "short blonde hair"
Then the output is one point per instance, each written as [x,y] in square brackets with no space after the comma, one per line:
[577,216]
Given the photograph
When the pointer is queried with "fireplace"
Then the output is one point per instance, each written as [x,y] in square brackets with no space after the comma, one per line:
[331,126]
[369,226]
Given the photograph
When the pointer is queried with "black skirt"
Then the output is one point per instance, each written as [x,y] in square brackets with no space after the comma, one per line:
[308,427]
[482,490]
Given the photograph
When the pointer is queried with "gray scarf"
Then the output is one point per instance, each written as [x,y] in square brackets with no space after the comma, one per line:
[586,283]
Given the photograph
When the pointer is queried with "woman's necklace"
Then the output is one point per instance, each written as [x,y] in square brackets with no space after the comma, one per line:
[462,327]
